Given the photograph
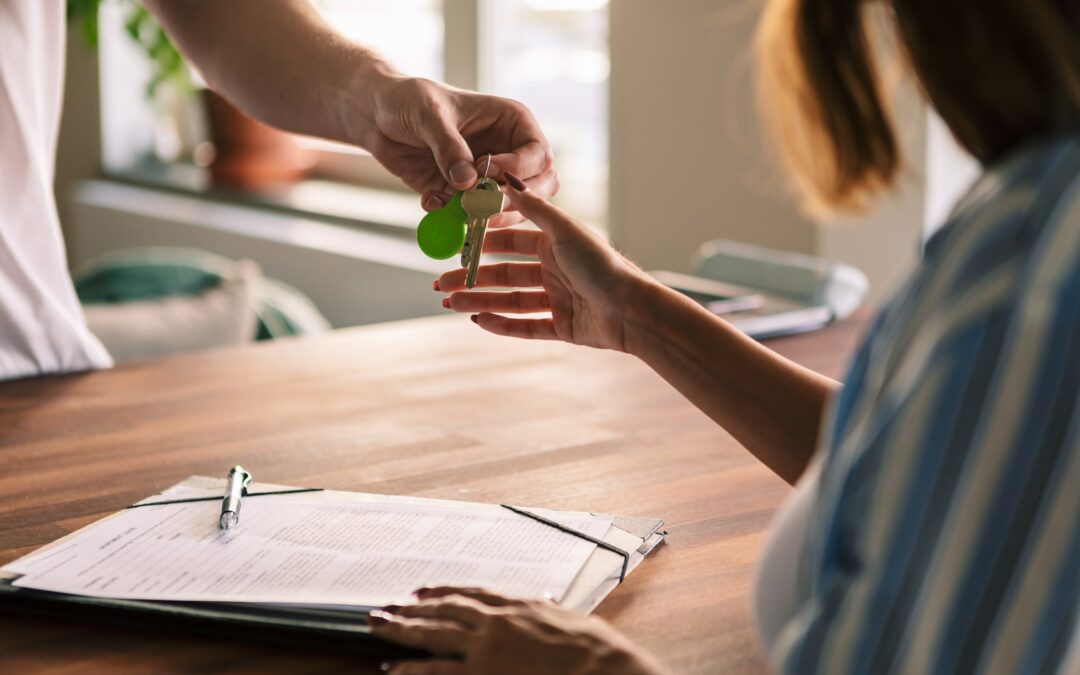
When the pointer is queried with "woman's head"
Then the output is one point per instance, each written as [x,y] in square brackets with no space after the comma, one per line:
[999,72]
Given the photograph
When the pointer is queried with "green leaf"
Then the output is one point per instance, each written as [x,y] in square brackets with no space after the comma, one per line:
[166,62]
[84,13]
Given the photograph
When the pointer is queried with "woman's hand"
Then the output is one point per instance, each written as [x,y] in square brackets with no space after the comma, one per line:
[590,289]
[437,140]
[472,631]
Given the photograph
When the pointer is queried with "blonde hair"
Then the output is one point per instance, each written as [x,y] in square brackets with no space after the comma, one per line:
[999,72]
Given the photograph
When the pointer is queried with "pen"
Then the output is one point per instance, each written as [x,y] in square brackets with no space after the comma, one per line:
[234,490]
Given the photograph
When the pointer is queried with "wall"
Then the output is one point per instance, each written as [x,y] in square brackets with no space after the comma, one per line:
[688,161]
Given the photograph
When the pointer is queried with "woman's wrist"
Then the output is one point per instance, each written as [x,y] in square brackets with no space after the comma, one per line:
[650,310]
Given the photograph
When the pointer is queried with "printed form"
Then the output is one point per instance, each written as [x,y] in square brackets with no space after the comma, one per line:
[300,549]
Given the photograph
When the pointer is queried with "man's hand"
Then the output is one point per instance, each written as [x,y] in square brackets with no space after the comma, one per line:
[437,140]
[280,62]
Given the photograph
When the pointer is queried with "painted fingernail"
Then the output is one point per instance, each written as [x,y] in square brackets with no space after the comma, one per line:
[475,318]
[435,286]
[391,609]
[434,202]
[446,303]
[378,618]
[462,173]
[516,182]
[421,592]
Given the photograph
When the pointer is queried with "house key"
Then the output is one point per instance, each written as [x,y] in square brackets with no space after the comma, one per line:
[480,203]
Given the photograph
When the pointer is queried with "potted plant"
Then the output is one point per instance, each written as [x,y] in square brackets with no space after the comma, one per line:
[247,153]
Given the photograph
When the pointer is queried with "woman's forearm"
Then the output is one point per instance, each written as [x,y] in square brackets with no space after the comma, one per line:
[771,405]
[280,62]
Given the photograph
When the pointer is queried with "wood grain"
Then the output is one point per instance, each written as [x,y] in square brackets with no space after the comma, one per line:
[432,407]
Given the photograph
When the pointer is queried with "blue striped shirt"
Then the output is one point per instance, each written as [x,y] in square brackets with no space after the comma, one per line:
[945,535]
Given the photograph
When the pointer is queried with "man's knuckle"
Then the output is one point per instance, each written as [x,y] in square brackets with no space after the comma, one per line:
[427,96]
[420,88]
[517,107]
[548,160]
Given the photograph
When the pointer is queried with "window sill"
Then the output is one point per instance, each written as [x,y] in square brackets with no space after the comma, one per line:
[371,209]
[374,209]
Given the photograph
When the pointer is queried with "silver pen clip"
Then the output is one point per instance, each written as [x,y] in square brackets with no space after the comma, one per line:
[234,490]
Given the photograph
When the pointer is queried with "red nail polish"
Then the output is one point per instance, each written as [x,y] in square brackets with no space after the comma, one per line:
[392,609]
[435,286]
[475,318]
[446,303]
[516,182]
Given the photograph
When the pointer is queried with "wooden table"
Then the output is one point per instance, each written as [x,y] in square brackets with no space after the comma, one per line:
[432,407]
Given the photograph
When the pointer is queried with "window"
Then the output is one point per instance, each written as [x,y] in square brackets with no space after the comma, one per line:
[552,55]
[409,33]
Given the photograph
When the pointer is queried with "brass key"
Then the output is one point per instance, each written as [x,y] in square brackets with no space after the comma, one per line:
[480,203]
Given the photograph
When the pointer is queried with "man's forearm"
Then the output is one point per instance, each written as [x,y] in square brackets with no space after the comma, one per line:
[771,405]
[280,62]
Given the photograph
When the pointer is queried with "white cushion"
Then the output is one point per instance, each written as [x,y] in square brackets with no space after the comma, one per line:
[220,317]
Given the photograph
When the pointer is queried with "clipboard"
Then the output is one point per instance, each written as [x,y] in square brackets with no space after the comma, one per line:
[330,628]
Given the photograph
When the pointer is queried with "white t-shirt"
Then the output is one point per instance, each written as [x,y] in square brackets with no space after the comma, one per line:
[42,329]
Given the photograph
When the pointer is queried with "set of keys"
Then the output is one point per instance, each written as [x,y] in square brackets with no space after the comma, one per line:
[460,226]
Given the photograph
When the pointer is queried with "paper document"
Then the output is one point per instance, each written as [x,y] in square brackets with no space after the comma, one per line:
[301,549]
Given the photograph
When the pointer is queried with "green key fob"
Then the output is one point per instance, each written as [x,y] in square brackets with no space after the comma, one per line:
[442,232]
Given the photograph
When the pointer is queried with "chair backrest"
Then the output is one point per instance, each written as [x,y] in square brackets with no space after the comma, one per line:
[160,272]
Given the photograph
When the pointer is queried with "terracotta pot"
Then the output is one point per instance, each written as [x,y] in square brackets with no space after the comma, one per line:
[247,153]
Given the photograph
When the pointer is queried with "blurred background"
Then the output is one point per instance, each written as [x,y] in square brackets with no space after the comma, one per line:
[649,106]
